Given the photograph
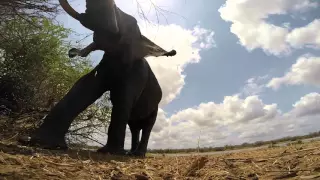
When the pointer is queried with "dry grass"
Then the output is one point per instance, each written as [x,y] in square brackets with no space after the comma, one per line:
[291,162]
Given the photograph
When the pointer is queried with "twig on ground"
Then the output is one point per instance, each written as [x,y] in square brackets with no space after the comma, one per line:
[196,165]
[296,170]
[308,149]
[6,140]
[256,165]
[60,164]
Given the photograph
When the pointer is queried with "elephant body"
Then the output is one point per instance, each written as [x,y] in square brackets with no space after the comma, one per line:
[135,96]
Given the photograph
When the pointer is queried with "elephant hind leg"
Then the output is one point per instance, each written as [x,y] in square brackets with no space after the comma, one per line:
[135,137]
[148,124]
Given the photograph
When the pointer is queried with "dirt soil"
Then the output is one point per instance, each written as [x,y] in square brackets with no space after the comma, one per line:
[301,161]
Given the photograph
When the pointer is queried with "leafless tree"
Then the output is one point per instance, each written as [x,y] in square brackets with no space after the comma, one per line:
[27,9]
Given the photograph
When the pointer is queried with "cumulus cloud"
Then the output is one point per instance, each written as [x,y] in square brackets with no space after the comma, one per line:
[231,111]
[306,71]
[249,24]
[236,120]
[306,36]
[187,42]
[254,86]
[161,121]
[213,122]
[308,105]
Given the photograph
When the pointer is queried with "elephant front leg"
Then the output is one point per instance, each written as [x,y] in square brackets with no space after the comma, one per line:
[116,132]
[51,133]
[83,52]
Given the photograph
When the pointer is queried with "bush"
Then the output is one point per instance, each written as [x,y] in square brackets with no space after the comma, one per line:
[35,73]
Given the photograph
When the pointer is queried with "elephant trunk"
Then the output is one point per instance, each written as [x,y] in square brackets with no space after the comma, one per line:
[66,6]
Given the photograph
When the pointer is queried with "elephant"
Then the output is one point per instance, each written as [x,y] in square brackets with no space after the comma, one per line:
[135,94]
[135,97]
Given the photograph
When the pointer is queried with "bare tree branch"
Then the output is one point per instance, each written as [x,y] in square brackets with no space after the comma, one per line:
[27,9]
[158,10]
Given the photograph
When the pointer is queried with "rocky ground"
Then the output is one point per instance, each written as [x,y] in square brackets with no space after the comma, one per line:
[299,161]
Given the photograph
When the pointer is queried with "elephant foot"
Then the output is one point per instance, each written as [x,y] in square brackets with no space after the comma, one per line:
[44,143]
[171,53]
[112,151]
[137,154]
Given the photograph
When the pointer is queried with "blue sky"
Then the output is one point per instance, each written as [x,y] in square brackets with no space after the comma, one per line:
[242,84]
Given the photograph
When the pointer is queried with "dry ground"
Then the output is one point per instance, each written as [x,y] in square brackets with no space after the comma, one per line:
[301,161]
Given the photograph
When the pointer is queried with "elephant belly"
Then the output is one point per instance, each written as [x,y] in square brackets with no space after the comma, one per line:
[148,100]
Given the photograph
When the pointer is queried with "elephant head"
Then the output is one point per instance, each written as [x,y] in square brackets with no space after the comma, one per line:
[113,21]
[99,15]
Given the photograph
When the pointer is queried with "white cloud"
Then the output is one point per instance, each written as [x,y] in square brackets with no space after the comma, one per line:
[307,105]
[236,120]
[187,42]
[248,18]
[254,86]
[231,111]
[205,36]
[161,121]
[308,35]
[305,71]
[213,122]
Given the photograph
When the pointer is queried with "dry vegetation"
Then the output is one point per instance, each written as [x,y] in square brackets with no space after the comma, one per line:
[299,161]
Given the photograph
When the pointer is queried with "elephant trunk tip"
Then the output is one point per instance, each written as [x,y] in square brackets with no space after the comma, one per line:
[171,53]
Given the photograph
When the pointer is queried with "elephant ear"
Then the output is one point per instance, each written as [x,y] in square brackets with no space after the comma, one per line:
[155,50]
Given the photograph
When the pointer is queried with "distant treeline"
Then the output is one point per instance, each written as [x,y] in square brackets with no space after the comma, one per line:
[223,148]
[232,147]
